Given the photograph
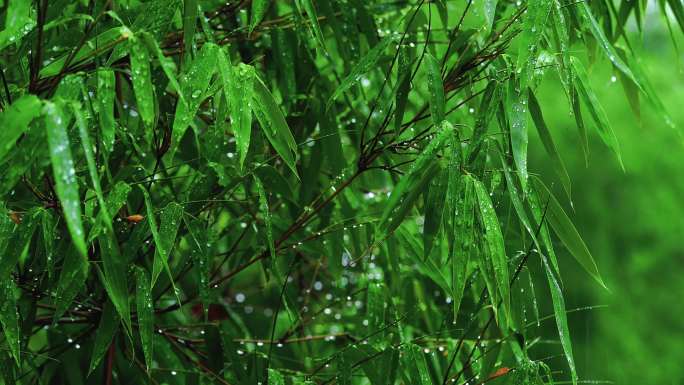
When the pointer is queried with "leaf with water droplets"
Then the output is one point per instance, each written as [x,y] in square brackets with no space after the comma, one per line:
[535,20]
[436,88]
[517,117]
[16,239]
[549,145]
[200,253]
[105,96]
[145,310]
[314,26]
[561,317]
[106,329]
[114,266]
[414,362]
[264,209]
[597,112]
[566,231]
[66,184]
[364,65]
[9,317]
[115,200]
[170,219]
[434,210]
[15,120]
[273,124]
[238,86]
[19,21]
[71,280]
[194,83]
[142,82]
[494,246]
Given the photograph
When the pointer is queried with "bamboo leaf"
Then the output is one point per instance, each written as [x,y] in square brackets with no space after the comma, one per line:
[145,310]
[259,8]
[9,318]
[63,169]
[495,245]
[549,146]
[105,97]
[142,82]
[567,233]
[19,21]
[436,88]
[106,330]
[517,116]
[238,86]
[273,124]
[598,114]
[15,120]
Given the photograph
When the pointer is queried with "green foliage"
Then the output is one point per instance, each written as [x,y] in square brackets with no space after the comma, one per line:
[291,192]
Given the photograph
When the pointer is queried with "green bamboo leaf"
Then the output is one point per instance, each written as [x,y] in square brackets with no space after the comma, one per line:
[413,361]
[66,184]
[595,109]
[166,63]
[494,245]
[489,12]
[170,220]
[434,210]
[115,200]
[16,240]
[567,233]
[200,252]
[105,96]
[19,21]
[71,279]
[364,65]
[9,318]
[15,120]
[561,318]
[194,83]
[114,266]
[259,8]
[273,124]
[142,82]
[145,310]
[49,226]
[266,212]
[549,146]
[403,85]
[238,86]
[436,88]
[532,30]
[314,26]
[106,330]
[517,116]
[607,48]
[460,234]
[189,26]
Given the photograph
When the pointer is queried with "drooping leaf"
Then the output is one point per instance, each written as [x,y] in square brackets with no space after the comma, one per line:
[109,322]
[105,97]
[436,89]
[66,184]
[238,87]
[19,21]
[15,119]
[273,124]
[9,318]
[259,8]
[170,220]
[567,233]
[145,310]
[494,245]
[142,82]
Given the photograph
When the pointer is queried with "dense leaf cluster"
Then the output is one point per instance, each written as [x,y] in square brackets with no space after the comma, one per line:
[292,192]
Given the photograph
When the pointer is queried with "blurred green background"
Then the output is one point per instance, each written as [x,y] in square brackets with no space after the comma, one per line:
[632,221]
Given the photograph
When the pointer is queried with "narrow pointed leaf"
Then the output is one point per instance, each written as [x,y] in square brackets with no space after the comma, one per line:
[170,219]
[436,88]
[105,96]
[9,318]
[145,310]
[15,120]
[238,86]
[106,329]
[142,82]
[259,8]
[66,183]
